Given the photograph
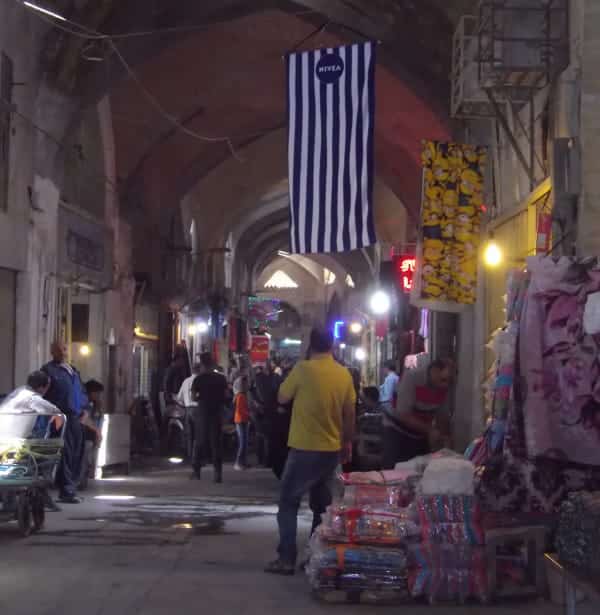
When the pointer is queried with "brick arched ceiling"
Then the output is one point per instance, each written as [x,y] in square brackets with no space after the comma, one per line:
[238,90]
[225,77]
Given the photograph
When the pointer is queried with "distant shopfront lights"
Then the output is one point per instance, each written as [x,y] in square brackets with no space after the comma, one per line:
[356,328]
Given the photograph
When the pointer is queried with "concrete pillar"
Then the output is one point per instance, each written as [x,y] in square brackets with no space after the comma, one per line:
[588,242]
[119,318]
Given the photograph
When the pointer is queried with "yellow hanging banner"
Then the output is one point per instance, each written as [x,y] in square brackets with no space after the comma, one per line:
[451,213]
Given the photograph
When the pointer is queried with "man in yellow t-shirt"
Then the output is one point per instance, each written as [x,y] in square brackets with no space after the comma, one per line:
[321,432]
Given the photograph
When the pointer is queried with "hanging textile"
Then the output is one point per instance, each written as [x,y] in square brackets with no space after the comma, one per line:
[450,225]
[331,114]
[548,432]
[560,363]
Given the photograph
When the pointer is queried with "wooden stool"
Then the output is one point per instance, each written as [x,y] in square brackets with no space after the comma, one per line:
[534,539]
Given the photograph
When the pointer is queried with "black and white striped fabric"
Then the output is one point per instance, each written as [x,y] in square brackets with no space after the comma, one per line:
[331,112]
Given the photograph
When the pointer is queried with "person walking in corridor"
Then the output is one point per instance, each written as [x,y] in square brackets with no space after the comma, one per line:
[208,391]
[321,434]
[67,394]
[185,399]
[241,418]
[267,387]
[421,414]
[387,391]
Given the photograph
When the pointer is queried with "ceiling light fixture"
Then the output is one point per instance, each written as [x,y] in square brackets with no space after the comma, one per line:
[41,9]
[380,303]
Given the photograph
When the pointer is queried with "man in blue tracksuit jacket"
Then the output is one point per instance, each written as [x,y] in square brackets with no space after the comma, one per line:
[67,394]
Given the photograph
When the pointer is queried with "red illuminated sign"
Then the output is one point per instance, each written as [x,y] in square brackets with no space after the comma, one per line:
[405,270]
[259,351]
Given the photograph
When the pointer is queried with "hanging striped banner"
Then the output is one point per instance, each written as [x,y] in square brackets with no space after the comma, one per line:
[331,113]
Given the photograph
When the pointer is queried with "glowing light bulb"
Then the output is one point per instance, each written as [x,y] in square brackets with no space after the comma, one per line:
[41,9]
[360,354]
[492,255]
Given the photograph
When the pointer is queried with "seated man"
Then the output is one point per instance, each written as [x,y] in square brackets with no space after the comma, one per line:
[29,400]
[44,418]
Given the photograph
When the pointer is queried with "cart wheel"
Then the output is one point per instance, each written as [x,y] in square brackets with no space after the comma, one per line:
[24,516]
[38,511]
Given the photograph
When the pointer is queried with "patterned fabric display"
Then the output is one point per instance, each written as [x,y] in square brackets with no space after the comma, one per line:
[451,220]
[578,538]
[444,573]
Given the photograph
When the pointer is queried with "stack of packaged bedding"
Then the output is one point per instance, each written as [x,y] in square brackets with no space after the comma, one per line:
[449,564]
[358,573]
[360,551]
[392,489]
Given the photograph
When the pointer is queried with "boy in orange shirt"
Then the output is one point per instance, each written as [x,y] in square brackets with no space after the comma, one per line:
[242,421]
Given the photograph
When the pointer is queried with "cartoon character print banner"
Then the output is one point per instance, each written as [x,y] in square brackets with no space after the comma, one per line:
[450,221]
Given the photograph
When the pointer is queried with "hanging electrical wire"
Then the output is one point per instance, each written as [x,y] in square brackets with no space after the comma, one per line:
[93,35]
[89,34]
[62,146]
[172,119]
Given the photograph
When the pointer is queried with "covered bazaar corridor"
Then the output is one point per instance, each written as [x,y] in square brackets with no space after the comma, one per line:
[290,234]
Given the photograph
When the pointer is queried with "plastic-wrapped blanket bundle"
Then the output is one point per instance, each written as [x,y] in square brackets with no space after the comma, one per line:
[357,573]
[578,537]
[390,489]
[419,464]
[448,573]
[450,519]
[369,526]
[448,476]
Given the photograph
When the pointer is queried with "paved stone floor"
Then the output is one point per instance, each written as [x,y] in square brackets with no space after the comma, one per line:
[158,544]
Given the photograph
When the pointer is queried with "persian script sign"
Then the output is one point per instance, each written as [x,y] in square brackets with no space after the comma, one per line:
[85,252]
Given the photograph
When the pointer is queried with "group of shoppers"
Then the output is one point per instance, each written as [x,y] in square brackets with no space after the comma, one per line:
[204,395]
[314,406]
[254,404]
[312,411]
